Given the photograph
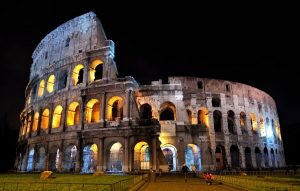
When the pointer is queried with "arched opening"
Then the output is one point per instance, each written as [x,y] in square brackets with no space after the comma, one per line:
[96,70]
[63,79]
[30,161]
[170,154]
[253,122]
[273,158]
[77,75]
[231,122]
[90,158]
[192,157]
[216,102]
[56,119]
[235,156]
[146,111]
[50,83]
[202,117]
[45,119]
[243,122]
[54,158]
[70,155]
[92,112]
[262,127]
[258,157]
[220,157]
[248,159]
[115,109]
[35,122]
[190,116]
[29,124]
[141,156]
[116,157]
[266,157]
[167,112]
[73,114]
[217,121]
[41,88]
[41,159]
[24,127]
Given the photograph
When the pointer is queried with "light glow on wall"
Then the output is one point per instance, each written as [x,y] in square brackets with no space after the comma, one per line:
[73,114]
[35,122]
[56,119]
[93,66]
[50,83]
[75,74]
[45,119]
[110,105]
[41,88]
[92,111]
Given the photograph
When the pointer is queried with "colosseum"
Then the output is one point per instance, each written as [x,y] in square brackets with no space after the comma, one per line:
[80,116]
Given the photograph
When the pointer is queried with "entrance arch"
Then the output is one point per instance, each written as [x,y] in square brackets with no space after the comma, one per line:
[41,159]
[235,156]
[115,158]
[90,158]
[248,159]
[170,153]
[258,157]
[70,158]
[192,156]
[141,156]
[54,158]
[30,160]
[220,157]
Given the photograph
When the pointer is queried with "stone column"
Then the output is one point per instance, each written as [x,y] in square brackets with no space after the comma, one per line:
[50,118]
[101,155]
[39,122]
[126,154]
[154,152]
[46,162]
[103,107]
[228,154]
[253,157]
[32,118]
[126,113]
[242,154]
[64,116]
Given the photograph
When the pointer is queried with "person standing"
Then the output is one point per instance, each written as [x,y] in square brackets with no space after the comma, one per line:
[184,170]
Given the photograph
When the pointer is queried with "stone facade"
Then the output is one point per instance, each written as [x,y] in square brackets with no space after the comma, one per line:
[81,117]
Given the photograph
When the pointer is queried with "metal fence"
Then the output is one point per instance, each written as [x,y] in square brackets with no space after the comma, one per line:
[122,185]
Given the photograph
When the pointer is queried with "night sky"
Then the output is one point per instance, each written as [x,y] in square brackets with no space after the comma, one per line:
[256,45]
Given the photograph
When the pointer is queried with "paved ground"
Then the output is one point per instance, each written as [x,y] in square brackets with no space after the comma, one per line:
[177,183]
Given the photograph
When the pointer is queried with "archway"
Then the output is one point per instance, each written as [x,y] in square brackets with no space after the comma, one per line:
[90,158]
[248,159]
[167,111]
[202,117]
[116,157]
[54,158]
[266,157]
[77,75]
[217,115]
[30,161]
[243,123]
[220,157]
[141,156]
[70,155]
[192,156]
[73,114]
[57,114]
[51,83]
[170,154]
[115,109]
[96,70]
[231,122]
[235,156]
[41,159]
[146,111]
[92,114]
[45,119]
[258,157]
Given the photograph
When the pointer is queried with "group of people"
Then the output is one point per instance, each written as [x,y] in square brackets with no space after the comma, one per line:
[207,175]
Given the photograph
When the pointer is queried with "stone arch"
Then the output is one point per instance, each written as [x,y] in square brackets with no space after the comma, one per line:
[243,122]
[77,75]
[51,83]
[235,156]
[115,157]
[45,119]
[170,153]
[266,157]
[35,121]
[231,122]
[54,158]
[141,156]
[258,157]
[57,115]
[90,158]
[248,159]
[63,79]
[273,158]
[190,116]
[220,157]
[167,111]
[262,127]
[193,157]
[41,159]
[217,115]
[216,102]
[96,70]
[253,122]
[115,108]
[146,111]
[202,117]
[92,111]
[41,88]
[70,155]
[30,161]
[73,114]
[29,121]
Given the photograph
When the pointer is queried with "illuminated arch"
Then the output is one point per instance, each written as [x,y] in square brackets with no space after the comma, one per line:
[167,111]
[69,162]
[115,108]
[41,88]
[262,127]
[45,119]
[50,83]
[253,122]
[231,122]
[92,112]
[54,158]
[170,153]
[73,114]
[141,156]
[115,157]
[96,69]
[30,161]
[202,117]
[77,75]
[35,122]
[192,156]
[57,114]
[90,158]
[29,124]
[41,159]
[243,123]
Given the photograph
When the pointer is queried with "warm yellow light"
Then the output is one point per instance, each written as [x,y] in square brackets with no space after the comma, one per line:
[29,97]
[110,106]
[139,145]
[35,122]
[50,83]
[203,117]
[92,112]
[94,148]
[262,127]
[116,147]
[28,124]
[45,119]
[24,127]
[254,122]
[277,130]
[169,105]
[93,66]
[73,114]
[56,119]
[41,88]
[75,73]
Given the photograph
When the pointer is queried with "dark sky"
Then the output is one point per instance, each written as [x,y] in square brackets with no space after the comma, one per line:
[254,45]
